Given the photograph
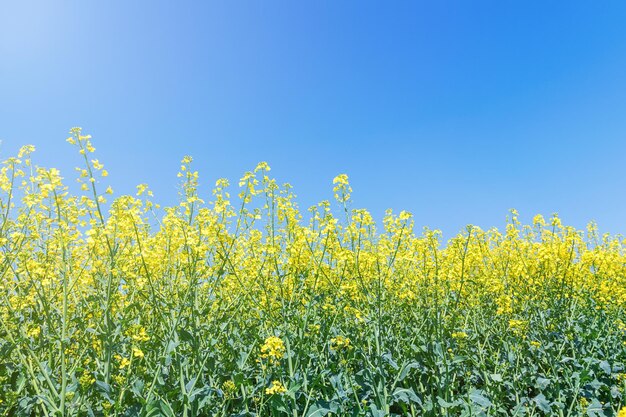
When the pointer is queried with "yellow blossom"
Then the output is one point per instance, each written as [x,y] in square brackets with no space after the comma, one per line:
[339,343]
[273,349]
[138,353]
[276,388]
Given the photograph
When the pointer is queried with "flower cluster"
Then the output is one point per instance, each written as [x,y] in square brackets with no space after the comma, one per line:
[276,388]
[339,343]
[273,349]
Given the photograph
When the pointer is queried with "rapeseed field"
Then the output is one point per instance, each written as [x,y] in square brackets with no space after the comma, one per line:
[244,305]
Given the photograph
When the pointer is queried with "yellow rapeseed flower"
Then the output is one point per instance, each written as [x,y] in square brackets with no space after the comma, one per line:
[229,387]
[459,335]
[276,388]
[124,362]
[273,349]
[138,353]
[339,343]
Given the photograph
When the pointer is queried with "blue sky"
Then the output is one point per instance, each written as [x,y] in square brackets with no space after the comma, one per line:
[455,111]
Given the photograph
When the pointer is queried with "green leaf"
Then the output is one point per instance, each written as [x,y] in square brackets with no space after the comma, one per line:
[606,367]
[376,412]
[445,404]
[405,395]
[103,388]
[185,336]
[477,396]
[160,408]
[595,409]
[542,383]
[496,377]
[405,370]
[542,403]
[321,408]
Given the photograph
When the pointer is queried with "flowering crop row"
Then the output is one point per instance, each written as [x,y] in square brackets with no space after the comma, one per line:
[243,306]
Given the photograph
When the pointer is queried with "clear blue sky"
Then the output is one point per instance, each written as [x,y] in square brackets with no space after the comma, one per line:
[455,111]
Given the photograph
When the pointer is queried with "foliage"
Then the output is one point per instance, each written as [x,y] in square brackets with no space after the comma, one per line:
[244,308]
